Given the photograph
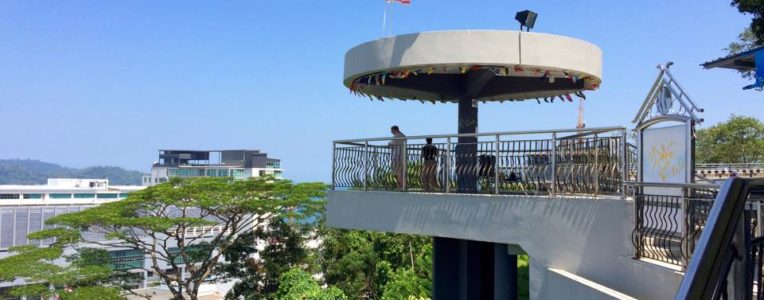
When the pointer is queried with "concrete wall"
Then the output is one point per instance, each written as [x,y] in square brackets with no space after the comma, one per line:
[497,47]
[587,237]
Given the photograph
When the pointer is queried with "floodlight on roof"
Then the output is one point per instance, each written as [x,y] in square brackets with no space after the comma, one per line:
[526,18]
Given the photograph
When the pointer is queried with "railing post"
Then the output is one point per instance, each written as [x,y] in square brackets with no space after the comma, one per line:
[637,221]
[447,173]
[685,233]
[596,166]
[366,165]
[405,164]
[624,163]
[496,165]
[759,220]
[554,164]
[334,165]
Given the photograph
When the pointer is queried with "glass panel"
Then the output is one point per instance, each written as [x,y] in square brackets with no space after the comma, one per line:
[108,196]
[126,259]
[59,196]
[84,196]
[9,196]
[193,251]
[32,196]
[238,173]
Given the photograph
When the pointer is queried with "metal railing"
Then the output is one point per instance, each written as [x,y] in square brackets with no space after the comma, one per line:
[668,219]
[555,162]
[728,262]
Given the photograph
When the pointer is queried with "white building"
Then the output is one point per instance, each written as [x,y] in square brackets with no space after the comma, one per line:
[24,208]
[238,164]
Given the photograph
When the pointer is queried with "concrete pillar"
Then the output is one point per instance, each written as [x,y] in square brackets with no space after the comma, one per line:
[480,270]
[505,273]
[470,270]
[466,149]
[446,261]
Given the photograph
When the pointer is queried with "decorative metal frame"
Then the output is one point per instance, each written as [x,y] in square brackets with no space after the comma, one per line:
[667,101]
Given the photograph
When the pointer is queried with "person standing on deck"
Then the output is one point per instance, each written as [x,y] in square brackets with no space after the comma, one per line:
[430,168]
[398,156]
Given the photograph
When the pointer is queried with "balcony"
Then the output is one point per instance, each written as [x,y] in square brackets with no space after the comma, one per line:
[549,163]
[566,198]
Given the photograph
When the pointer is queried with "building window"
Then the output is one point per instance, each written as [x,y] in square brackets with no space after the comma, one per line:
[238,173]
[211,173]
[9,196]
[185,172]
[222,172]
[59,196]
[32,196]
[108,196]
[84,196]
[126,259]
[194,252]
[274,164]
[262,173]
[277,174]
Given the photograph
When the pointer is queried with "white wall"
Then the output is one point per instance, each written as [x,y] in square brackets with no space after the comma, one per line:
[587,237]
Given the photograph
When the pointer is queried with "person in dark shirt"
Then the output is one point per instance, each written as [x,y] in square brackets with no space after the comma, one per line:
[430,166]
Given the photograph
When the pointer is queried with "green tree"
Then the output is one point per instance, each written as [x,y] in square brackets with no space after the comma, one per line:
[297,284]
[164,222]
[83,277]
[259,278]
[756,9]
[738,140]
[361,263]
[746,41]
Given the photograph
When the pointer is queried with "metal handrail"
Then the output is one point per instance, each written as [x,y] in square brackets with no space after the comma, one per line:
[501,133]
[674,185]
[725,239]
[572,161]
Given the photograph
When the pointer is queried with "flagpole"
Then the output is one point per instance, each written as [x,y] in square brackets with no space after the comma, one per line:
[384,19]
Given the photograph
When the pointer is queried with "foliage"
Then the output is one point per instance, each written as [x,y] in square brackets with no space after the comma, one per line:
[523,277]
[361,263]
[756,9]
[259,278]
[738,140]
[84,277]
[160,221]
[297,284]
[405,284]
[27,171]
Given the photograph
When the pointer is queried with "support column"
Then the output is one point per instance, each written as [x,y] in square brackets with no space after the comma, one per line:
[466,149]
[505,274]
[446,259]
[480,270]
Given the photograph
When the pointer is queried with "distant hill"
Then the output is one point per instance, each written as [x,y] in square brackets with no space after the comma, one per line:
[28,171]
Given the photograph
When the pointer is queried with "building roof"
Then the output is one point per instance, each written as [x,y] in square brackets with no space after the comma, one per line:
[744,61]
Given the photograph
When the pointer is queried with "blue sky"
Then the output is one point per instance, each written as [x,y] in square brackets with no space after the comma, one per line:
[109,82]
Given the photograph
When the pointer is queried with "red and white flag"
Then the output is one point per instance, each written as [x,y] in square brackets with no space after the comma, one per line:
[404,2]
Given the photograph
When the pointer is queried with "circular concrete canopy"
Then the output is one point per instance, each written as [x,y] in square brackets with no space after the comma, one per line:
[487,65]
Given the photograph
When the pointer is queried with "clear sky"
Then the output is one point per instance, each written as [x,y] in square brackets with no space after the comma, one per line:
[109,82]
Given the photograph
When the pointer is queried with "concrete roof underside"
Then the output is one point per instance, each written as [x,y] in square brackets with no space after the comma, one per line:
[487,65]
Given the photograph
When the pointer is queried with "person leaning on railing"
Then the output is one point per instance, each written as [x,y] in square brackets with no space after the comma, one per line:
[430,168]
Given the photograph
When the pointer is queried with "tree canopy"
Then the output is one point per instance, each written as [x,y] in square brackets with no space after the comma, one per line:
[738,140]
[297,284]
[756,9]
[84,277]
[187,224]
[375,265]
